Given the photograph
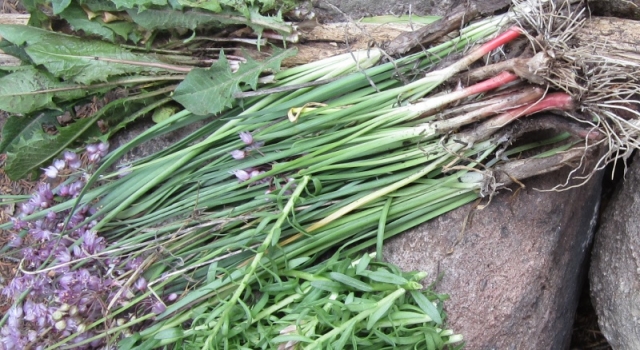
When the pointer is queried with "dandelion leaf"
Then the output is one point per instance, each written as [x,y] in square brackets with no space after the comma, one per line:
[28,90]
[211,90]
[31,147]
[78,59]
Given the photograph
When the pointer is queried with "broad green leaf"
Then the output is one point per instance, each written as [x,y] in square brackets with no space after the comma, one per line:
[25,126]
[168,19]
[35,150]
[78,20]
[29,90]
[79,59]
[99,5]
[350,281]
[59,5]
[211,90]
[426,306]
[141,4]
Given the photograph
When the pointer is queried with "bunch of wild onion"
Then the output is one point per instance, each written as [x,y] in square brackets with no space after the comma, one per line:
[256,204]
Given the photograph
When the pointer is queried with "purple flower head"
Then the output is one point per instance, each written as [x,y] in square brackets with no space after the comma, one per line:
[141,284]
[242,175]
[27,208]
[103,148]
[51,215]
[70,156]
[78,253]
[41,235]
[12,338]
[94,157]
[172,297]
[238,154]
[39,201]
[158,308]
[75,188]
[67,280]
[92,148]
[72,159]
[246,137]
[63,190]
[92,243]
[15,242]
[62,255]
[45,191]
[94,283]
[51,172]
[83,276]
[29,254]
[18,224]
[32,335]
[15,317]
[34,311]
[133,264]
[59,164]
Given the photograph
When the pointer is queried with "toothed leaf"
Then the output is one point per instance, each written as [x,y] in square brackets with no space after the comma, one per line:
[29,90]
[211,90]
[78,59]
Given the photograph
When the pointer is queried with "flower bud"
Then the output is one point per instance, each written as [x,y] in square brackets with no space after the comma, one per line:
[246,137]
[58,316]
[238,154]
[61,325]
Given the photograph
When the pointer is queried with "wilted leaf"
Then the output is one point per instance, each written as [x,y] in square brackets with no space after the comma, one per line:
[211,90]
[78,59]
[29,90]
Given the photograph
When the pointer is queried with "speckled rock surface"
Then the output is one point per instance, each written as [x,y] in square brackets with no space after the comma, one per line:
[514,275]
[338,10]
[617,8]
[615,265]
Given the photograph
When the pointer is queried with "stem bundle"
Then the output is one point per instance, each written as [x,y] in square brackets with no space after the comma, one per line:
[243,234]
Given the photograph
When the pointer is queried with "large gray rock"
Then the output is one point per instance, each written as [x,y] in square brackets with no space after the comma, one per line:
[514,276]
[615,265]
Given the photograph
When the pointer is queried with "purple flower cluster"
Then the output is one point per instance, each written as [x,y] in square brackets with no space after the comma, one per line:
[69,277]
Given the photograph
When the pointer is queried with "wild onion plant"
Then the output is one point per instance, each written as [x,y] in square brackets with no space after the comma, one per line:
[244,234]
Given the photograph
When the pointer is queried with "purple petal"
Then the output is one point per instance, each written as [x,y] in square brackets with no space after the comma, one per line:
[158,308]
[51,172]
[246,137]
[92,148]
[141,284]
[59,164]
[238,154]
[27,208]
[70,156]
[242,175]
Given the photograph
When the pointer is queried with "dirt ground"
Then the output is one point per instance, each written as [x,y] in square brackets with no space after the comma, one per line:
[586,334]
